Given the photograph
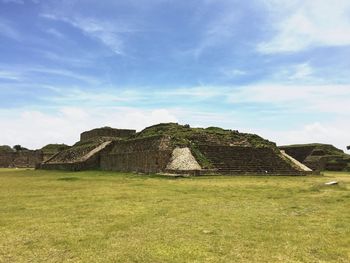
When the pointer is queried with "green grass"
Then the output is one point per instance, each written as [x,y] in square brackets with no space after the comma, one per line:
[185,136]
[49,216]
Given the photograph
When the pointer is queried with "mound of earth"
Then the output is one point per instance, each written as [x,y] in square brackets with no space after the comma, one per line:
[319,156]
[185,136]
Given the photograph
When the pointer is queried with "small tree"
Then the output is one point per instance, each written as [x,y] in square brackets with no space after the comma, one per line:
[18,148]
[348,147]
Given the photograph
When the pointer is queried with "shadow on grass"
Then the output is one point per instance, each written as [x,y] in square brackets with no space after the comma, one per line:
[68,179]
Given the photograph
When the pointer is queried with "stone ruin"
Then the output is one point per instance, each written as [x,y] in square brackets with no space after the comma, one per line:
[320,157]
[175,149]
[9,158]
[21,159]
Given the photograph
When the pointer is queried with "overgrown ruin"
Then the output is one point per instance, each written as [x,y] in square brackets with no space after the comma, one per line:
[25,158]
[319,156]
[175,149]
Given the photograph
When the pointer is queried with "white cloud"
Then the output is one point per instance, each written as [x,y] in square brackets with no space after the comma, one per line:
[107,32]
[296,73]
[20,72]
[300,24]
[301,71]
[9,75]
[65,73]
[333,132]
[102,97]
[35,129]
[317,98]
[317,102]
[201,92]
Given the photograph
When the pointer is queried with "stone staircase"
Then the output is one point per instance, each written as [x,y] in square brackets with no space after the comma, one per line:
[77,158]
[247,160]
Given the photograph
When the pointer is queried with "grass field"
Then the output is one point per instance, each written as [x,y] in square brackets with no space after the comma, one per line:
[48,216]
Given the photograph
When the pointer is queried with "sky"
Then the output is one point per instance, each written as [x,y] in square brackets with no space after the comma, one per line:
[277,68]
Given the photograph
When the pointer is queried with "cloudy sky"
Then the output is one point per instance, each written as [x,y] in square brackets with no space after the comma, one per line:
[278,68]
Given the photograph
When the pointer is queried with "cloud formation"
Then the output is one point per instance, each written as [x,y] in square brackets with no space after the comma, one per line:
[301,24]
[107,32]
[245,65]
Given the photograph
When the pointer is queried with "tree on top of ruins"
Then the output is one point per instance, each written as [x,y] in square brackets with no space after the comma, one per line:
[18,148]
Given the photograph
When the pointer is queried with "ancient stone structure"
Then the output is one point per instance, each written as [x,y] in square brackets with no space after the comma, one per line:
[319,156]
[21,159]
[177,149]
[145,155]
[106,132]
[27,158]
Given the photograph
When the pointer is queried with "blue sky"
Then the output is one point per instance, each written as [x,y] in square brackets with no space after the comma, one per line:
[276,68]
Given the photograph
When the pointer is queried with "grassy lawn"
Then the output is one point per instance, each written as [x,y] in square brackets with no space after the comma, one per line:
[49,216]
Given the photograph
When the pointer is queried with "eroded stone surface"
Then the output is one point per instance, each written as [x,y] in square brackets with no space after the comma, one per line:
[182,159]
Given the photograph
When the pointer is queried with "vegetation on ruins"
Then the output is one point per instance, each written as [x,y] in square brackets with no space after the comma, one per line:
[180,136]
[54,148]
[320,156]
[185,136]
[95,216]
[19,148]
[6,149]
[326,148]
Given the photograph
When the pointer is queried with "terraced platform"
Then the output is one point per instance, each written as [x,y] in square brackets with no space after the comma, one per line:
[157,149]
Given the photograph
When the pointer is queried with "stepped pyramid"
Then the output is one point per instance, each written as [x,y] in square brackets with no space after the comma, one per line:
[176,149]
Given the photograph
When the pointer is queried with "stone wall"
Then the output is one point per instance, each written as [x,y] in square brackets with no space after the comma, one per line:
[106,132]
[90,164]
[6,159]
[299,153]
[247,160]
[87,158]
[319,157]
[21,159]
[146,155]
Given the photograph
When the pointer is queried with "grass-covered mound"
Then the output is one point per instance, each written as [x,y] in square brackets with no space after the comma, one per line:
[54,148]
[184,135]
[6,149]
[211,147]
[319,156]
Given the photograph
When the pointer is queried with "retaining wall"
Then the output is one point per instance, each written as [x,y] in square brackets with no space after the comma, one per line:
[90,164]
[247,160]
[146,155]
[22,159]
[299,153]
[106,132]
